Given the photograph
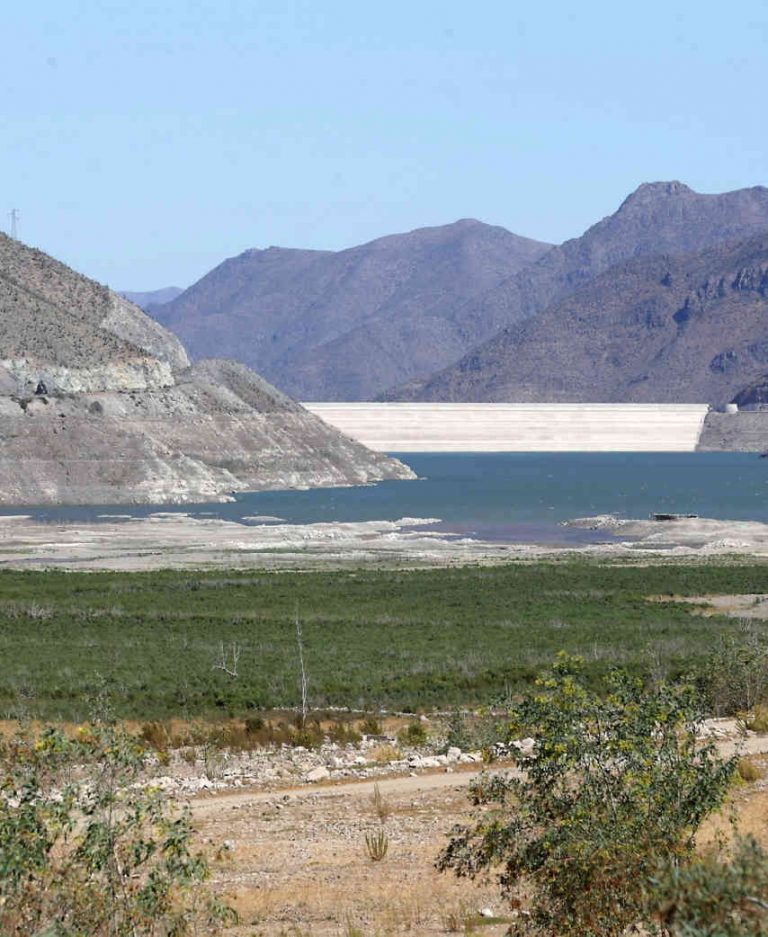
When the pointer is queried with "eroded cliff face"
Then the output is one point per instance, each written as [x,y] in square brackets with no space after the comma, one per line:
[175,445]
[99,405]
[22,376]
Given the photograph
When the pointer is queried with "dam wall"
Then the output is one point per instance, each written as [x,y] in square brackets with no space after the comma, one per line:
[518,427]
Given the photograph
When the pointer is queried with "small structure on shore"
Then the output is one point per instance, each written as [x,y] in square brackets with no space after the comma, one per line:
[672,517]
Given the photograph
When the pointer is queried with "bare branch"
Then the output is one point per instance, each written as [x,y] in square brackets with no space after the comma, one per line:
[223,662]
[300,643]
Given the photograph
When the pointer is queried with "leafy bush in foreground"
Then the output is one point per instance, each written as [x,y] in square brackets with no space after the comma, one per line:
[87,849]
[615,784]
[713,896]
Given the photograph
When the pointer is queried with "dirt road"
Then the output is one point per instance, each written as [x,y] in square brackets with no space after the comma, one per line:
[210,805]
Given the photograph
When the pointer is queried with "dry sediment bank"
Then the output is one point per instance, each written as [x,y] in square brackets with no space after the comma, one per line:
[176,540]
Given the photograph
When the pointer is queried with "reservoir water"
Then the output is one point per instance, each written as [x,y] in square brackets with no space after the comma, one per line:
[522,496]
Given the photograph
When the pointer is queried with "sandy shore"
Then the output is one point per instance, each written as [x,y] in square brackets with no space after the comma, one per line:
[177,540]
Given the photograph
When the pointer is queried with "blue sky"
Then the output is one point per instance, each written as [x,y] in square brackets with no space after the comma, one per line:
[144,142]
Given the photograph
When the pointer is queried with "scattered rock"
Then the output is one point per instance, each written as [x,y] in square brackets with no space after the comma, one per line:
[525,746]
[320,773]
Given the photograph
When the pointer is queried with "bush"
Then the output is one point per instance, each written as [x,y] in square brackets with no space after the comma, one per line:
[474,732]
[343,734]
[757,721]
[371,726]
[614,783]
[735,678]
[414,735]
[748,771]
[85,848]
[713,896]
[254,725]
[457,732]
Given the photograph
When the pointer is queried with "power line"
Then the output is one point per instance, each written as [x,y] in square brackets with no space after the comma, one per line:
[14,216]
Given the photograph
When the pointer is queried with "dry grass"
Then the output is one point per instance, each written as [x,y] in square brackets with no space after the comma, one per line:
[385,753]
[750,769]
[303,868]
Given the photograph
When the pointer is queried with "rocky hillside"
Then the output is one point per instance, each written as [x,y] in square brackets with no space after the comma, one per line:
[658,218]
[347,325]
[99,404]
[691,328]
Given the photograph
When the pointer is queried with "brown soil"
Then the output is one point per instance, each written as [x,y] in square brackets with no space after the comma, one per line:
[752,605]
[298,863]
[295,863]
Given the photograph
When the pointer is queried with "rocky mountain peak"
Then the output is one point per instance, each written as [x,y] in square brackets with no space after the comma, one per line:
[650,192]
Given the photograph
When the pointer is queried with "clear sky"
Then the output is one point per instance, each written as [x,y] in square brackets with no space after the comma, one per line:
[143,142]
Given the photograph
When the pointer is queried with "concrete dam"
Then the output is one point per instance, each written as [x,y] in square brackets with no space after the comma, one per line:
[518,427]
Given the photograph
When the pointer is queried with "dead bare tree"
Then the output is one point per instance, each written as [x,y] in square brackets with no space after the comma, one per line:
[300,643]
[223,662]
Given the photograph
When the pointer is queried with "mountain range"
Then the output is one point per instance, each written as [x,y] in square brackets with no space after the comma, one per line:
[100,404]
[350,324]
[436,314]
[685,328]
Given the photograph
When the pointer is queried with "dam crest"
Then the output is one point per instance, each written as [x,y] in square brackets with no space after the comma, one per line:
[518,427]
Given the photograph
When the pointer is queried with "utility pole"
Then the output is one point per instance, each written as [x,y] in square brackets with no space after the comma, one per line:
[14,216]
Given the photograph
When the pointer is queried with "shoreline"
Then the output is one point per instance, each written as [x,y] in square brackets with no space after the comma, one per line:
[179,541]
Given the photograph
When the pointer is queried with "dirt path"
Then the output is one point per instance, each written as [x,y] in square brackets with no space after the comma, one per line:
[209,805]
[294,861]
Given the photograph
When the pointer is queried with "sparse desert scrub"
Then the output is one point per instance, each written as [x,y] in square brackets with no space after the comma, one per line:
[304,868]
[249,734]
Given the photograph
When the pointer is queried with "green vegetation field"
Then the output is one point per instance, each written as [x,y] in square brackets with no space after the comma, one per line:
[396,639]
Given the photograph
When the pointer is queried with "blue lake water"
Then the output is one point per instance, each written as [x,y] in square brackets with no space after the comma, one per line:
[523,496]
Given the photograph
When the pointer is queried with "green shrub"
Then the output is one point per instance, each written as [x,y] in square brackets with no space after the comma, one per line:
[414,734]
[428,638]
[343,734]
[371,726]
[474,732]
[85,848]
[715,895]
[457,732]
[254,725]
[735,678]
[614,783]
